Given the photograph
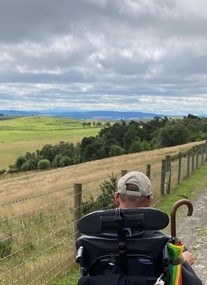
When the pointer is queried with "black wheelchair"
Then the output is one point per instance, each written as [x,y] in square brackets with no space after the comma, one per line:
[123,247]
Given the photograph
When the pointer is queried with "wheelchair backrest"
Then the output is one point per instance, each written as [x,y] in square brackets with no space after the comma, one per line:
[123,241]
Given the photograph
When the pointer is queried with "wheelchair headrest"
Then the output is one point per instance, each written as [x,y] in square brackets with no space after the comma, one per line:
[132,220]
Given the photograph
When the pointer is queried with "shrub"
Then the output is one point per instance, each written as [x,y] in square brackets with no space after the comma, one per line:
[6,238]
[2,171]
[5,247]
[115,150]
[43,164]
[64,161]
[104,200]
[19,162]
[12,169]
[25,166]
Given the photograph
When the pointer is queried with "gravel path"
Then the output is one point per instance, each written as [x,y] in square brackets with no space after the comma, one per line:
[193,233]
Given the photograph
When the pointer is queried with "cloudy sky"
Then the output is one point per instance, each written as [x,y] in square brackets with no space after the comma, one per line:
[124,55]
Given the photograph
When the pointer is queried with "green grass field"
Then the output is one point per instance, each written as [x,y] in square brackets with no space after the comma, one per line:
[19,135]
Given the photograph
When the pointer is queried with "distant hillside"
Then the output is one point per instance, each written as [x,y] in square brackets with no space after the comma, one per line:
[84,115]
[19,113]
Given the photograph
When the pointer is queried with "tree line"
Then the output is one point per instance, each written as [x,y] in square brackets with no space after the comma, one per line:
[122,137]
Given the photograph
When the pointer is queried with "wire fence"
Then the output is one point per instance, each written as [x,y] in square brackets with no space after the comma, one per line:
[38,246]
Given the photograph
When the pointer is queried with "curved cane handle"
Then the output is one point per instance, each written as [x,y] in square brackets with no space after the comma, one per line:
[173,214]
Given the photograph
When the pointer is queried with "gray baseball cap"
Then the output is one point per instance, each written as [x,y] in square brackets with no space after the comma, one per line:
[138,179]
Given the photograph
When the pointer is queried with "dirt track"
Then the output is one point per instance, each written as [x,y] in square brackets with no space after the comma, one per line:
[193,232]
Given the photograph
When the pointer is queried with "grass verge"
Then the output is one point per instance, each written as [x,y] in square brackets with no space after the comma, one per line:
[71,279]
[189,188]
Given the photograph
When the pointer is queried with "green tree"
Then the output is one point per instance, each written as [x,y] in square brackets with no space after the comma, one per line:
[64,161]
[107,145]
[115,150]
[172,135]
[116,131]
[138,146]
[98,124]
[48,152]
[91,148]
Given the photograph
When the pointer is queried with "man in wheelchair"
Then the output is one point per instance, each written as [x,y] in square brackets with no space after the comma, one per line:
[125,246]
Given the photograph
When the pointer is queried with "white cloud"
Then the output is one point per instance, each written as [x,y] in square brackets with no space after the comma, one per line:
[120,55]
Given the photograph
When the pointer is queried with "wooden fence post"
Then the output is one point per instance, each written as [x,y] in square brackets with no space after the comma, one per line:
[202,154]
[148,170]
[179,166]
[206,150]
[188,164]
[162,180]
[77,208]
[193,159]
[167,174]
[197,154]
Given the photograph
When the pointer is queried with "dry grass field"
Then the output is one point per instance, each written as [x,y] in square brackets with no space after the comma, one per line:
[39,183]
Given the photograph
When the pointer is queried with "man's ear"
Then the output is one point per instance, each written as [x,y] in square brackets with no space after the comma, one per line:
[150,201]
[116,199]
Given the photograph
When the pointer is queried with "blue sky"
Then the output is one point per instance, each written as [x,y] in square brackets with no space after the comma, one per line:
[124,55]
